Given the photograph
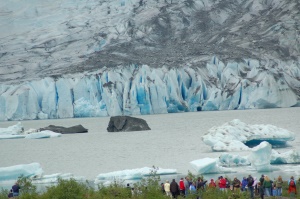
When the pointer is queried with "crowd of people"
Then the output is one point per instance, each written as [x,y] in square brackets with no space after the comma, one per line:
[263,186]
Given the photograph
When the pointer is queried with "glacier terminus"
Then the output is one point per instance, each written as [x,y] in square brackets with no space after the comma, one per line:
[73,58]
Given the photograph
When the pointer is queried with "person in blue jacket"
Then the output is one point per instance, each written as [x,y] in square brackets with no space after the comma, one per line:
[244,184]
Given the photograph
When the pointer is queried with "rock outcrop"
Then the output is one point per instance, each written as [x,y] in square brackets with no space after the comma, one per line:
[126,123]
[65,130]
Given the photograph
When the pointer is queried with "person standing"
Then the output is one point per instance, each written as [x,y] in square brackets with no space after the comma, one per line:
[193,189]
[167,188]
[261,190]
[218,182]
[292,187]
[256,191]
[236,183]
[267,184]
[222,183]
[181,187]
[244,184]
[212,184]
[187,184]
[162,188]
[278,185]
[174,188]
[16,189]
[250,181]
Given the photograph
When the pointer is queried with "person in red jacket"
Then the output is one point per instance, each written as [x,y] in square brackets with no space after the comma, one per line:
[222,183]
[181,187]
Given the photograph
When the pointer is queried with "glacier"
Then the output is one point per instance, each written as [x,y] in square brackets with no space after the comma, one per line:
[105,58]
[136,90]
[236,135]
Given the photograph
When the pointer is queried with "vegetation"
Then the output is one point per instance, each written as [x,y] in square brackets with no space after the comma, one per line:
[148,188]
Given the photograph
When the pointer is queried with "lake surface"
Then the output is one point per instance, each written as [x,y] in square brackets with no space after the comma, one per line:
[173,141]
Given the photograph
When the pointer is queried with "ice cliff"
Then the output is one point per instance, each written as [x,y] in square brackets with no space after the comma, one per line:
[137,90]
[74,58]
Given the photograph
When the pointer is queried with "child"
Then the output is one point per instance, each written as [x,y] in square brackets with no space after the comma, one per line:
[11,195]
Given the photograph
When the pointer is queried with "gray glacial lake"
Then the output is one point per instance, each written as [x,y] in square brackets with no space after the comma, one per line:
[174,141]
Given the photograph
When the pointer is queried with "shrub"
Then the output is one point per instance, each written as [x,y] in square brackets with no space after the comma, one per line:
[66,189]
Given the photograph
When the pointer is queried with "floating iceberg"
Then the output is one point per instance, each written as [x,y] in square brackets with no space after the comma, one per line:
[208,166]
[27,170]
[228,160]
[234,135]
[12,130]
[42,134]
[132,174]
[288,157]
[260,157]
[17,131]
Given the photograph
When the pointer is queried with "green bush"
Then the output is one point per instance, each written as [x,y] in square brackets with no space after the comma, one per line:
[66,189]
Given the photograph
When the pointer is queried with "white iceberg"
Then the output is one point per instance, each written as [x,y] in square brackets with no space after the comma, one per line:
[42,134]
[132,174]
[26,170]
[17,131]
[233,136]
[288,157]
[12,132]
[208,166]
[228,160]
[261,156]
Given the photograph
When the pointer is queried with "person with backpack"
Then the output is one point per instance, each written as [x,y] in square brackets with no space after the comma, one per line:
[292,187]
[250,186]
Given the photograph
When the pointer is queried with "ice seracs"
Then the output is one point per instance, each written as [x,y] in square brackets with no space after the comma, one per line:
[234,135]
[260,157]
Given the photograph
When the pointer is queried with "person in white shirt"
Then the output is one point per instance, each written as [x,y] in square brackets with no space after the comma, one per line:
[167,188]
